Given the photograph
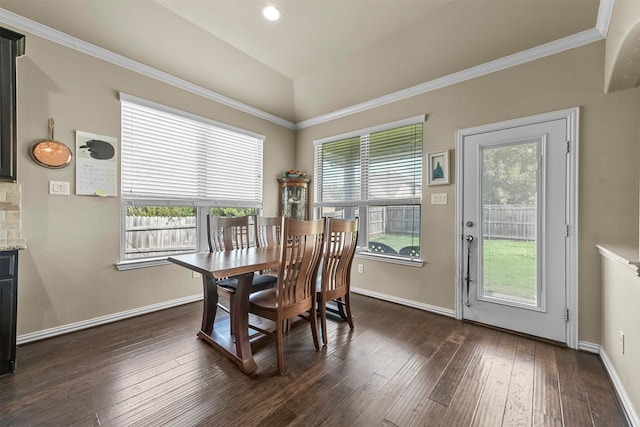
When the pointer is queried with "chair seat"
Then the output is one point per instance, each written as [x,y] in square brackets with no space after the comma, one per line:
[259,283]
[266,298]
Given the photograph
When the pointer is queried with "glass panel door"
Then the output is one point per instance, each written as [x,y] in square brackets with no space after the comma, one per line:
[509,241]
[514,229]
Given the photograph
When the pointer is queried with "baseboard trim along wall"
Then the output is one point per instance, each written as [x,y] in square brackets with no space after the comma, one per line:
[103,320]
[623,397]
[402,301]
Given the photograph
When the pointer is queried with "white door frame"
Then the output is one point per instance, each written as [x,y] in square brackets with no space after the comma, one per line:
[572,117]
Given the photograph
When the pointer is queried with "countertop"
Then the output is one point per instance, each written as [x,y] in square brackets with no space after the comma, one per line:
[12,245]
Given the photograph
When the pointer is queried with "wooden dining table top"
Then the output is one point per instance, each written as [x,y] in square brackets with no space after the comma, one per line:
[230,263]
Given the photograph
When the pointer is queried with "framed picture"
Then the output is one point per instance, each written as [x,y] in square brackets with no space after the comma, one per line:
[438,168]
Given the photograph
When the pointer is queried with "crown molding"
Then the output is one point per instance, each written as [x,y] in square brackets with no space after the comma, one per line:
[595,34]
[605,11]
[538,52]
[48,33]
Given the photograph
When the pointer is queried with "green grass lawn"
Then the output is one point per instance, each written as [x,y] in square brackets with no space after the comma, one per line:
[509,265]
[510,268]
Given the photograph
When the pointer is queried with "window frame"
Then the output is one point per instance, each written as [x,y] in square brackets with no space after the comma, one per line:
[201,205]
[362,204]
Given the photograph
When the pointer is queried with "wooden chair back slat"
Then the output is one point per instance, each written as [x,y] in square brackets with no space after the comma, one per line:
[225,234]
[268,230]
[299,261]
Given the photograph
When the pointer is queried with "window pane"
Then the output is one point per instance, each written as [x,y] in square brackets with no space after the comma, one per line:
[395,164]
[152,231]
[394,230]
[340,166]
[175,158]
[509,218]
[231,212]
[340,212]
[379,174]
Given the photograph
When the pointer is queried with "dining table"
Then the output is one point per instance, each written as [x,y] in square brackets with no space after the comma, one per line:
[240,264]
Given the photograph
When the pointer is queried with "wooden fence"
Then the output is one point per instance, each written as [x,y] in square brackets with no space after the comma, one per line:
[393,220]
[158,235]
[510,222]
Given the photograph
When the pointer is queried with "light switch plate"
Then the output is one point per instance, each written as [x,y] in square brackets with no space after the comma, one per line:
[59,188]
[439,199]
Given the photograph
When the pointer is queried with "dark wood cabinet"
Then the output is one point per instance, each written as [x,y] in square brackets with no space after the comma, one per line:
[11,46]
[8,305]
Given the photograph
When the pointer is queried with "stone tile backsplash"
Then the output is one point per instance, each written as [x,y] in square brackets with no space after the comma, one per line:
[10,216]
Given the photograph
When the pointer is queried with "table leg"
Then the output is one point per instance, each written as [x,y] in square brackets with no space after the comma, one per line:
[240,327]
[210,305]
[237,347]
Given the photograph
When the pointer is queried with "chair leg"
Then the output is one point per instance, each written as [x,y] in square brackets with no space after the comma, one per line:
[313,320]
[323,319]
[340,306]
[280,346]
[229,297]
[347,303]
[230,314]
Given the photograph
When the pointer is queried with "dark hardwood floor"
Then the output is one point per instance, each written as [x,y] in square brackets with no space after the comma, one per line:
[399,366]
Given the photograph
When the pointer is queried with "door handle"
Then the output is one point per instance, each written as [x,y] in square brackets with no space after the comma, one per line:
[469,239]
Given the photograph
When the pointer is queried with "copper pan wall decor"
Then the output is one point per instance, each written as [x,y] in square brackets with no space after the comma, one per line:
[49,152]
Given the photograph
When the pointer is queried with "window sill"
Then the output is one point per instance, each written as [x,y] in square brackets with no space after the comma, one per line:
[411,262]
[141,263]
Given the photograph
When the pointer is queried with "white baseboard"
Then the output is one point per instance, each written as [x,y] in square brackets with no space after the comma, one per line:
[402,301]
[589,347]
[627,406]
[632,416]
[103,320]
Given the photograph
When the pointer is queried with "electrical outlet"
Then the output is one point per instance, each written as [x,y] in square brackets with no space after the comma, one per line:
[196,275]
[360,268]
[621,342]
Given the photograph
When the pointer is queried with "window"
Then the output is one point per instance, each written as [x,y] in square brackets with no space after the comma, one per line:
[375,174]
[177,166]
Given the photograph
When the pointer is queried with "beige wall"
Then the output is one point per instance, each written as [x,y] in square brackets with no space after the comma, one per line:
[67,273]
[620,296]
[608,174]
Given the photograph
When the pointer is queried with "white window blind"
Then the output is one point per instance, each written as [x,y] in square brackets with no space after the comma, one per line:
[172,155]
[383,167]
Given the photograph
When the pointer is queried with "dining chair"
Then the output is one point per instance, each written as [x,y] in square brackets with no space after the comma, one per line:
[268,230]
[225,234]
[334,278]
[294,295]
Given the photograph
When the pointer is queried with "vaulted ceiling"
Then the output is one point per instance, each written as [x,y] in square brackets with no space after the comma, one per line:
[322,55]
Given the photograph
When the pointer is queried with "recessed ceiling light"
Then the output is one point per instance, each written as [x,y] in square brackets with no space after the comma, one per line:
[271,13]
